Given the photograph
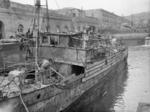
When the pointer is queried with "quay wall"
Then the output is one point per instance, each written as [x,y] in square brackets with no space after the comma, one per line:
[132,39]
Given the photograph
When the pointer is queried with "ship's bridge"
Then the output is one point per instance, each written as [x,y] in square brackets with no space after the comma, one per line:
[75,49]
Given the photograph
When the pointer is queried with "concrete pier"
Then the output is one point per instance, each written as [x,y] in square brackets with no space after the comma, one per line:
[143,107]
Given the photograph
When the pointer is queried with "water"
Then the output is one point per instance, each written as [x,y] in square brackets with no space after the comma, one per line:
[137,88]
[126,89]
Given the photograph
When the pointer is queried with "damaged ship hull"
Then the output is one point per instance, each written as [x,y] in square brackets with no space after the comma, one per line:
[57,98]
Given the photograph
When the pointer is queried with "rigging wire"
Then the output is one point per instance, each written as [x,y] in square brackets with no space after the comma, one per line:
[21,98]
[26,108]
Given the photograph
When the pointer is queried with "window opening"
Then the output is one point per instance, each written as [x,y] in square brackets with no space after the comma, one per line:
[77,70]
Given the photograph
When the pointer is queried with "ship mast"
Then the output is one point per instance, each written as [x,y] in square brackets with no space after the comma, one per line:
[37,5]
[47,13]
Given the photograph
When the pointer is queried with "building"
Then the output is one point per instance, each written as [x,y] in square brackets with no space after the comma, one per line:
[140,21]
[73,12]
[108,21]
[14,14]
[79,18]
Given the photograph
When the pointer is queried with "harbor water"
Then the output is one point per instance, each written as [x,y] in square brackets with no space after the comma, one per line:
[137,85]
[126,89]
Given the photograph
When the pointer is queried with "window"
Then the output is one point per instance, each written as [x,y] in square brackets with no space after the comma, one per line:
[66,29]
[54,40]
[20,28]
[74,14]
[77,70]
[1,30]
[84,28]
[57,28]
[44,40]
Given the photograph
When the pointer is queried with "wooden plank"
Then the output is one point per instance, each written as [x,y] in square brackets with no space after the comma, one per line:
[94,75]
[94,71]
[95,67]
[96,63]
[99,67]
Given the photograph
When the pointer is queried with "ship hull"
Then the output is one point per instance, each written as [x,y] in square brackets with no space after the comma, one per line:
[56,98]
[99,90]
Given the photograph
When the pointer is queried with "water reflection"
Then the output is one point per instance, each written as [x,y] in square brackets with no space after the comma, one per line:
[125,89]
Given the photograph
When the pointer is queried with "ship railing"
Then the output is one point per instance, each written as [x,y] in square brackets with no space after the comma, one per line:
[91,42]
[99,66]
[105,53]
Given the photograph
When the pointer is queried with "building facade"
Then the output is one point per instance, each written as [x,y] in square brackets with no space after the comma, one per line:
[107,20]
[14,14]
[140,22]
[79,18]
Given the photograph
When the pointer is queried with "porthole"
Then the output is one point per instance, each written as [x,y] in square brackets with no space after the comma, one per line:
[38,96]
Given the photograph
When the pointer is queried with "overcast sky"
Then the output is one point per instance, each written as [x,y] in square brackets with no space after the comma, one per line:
[120,7]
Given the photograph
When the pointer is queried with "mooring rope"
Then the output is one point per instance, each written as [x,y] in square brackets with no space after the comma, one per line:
[26,108]
[20,96]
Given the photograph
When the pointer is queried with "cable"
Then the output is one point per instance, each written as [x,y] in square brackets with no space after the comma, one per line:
[20,95]
[27,110]
[57,72]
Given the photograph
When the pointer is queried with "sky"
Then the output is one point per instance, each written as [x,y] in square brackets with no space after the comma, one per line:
[119,7]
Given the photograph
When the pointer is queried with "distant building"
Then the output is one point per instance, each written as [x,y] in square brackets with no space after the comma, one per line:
[140,21]
[107,20]
[79,18]
[19,14]
[73,12]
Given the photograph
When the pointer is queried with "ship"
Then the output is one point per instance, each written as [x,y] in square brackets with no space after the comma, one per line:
[67,66]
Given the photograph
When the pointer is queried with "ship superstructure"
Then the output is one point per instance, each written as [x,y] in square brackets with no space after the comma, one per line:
[68,66]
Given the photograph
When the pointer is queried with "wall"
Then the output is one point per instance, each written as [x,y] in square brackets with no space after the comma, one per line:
[23,14]
[132,39]
[107,20]
[79,18]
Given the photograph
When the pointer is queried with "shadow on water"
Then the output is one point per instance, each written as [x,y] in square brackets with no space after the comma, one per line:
[102,97]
